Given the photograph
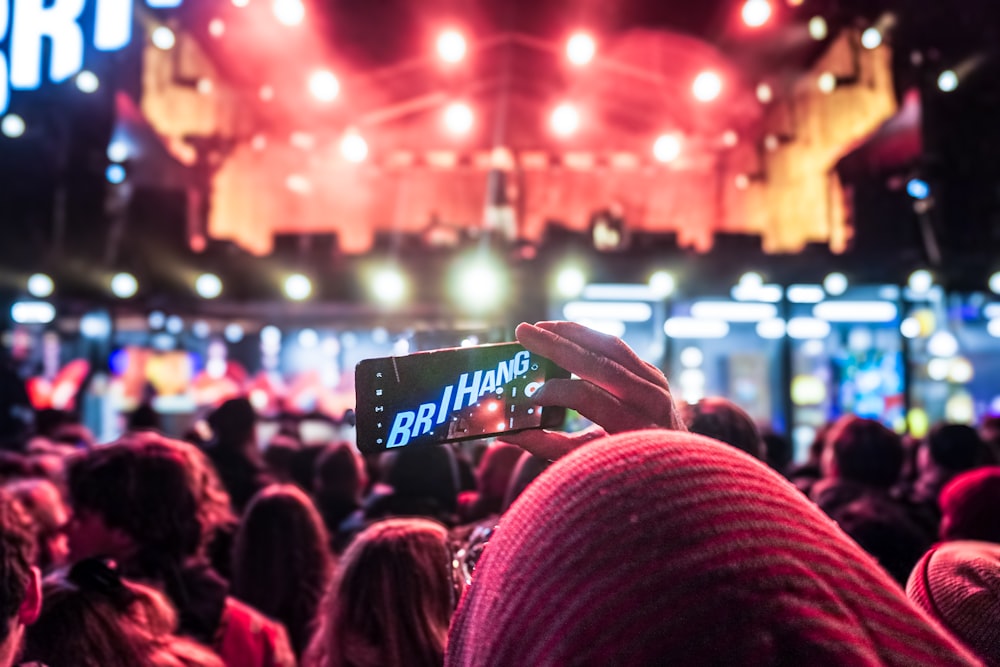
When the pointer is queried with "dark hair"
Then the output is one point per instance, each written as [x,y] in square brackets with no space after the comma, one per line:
[887,533]
[144,418]
[424,472]
[17,556]
[280,455]
[865,451]
[281,559]
[391,600]
[339,472]
[233,423]
[145,487]
[726,422]
[956,447]
[91,617]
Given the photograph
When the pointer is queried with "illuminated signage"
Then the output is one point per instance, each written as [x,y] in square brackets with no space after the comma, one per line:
[26,24]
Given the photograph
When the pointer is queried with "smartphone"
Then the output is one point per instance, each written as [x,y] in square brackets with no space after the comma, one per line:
[451,395]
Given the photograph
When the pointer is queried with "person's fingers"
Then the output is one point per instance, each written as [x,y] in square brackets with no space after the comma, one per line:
[612,347]
[596,404]
[552,445]
[627,383]
[546,444]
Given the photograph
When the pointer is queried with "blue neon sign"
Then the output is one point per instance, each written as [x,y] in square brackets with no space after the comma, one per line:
[26,24]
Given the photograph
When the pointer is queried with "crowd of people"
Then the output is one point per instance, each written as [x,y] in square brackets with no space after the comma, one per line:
[664,534]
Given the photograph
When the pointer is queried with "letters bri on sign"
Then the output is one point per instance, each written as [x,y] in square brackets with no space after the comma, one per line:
[25,24]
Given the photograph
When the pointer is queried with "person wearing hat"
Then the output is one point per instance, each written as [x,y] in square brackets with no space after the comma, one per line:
[655,546]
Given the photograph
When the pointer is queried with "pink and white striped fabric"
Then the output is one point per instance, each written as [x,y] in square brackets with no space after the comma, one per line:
[660,547]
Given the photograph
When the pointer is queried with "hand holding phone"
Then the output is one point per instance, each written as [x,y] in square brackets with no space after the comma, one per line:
[616,389]
[452,395]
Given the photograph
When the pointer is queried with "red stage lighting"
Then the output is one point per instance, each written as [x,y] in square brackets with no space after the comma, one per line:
[458,118]
[565,120]
[324,86]
[756,13]
[581,49]
[667,148]
[451,46]
[289,12]
[707,86]
[354,148]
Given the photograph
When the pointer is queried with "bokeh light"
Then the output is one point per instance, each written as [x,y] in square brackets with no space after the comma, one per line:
[565,120]
[451,46]
[707,86]
[124,285]
[581,49]
[298,287]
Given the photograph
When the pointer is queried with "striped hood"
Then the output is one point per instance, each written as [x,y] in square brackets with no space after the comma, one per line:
[660,547]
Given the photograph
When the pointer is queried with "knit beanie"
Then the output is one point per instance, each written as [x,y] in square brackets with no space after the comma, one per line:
[661,547]
[970,506]
[959,584]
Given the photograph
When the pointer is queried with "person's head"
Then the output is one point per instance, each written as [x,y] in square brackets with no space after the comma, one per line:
[494,473]
[234,424]
[778,451]
[280,455]
[93,618]
[390,601]
[955,447]
[863,451]
[137,498]
[20,580]
[428,473]
[885,532]
[43,502]
[958,583]
[340,473]
[144,418]
[281,559]
[662,543]
[970,506]
[725,421]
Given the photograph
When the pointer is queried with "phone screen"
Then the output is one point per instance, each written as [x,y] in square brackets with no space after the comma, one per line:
[451,395]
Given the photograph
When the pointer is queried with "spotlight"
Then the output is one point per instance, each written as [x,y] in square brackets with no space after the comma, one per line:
[115,173]
[205,86]
[943,344]
[298,287]
[948,81]
[565,120]
[40,286]
[835,284]
[241,3]
[871,38]
[707,87]
[458,118]
[570,282]
[662,284]
[95,325]
[667,148]
[289,12]
[730,138]
[217,28]
[324,86]
[87,82]
[118,151]
[208,286]
[477,284]
[995,283]
[921,281]
[451,46]
[164,38]
[765,94]
[233,333]
[581,49]
[918,189]
[124,285]
[818,28]
[13,126]
[354,148]
[308,338]
[388,286]
[827,82]
[756,13]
